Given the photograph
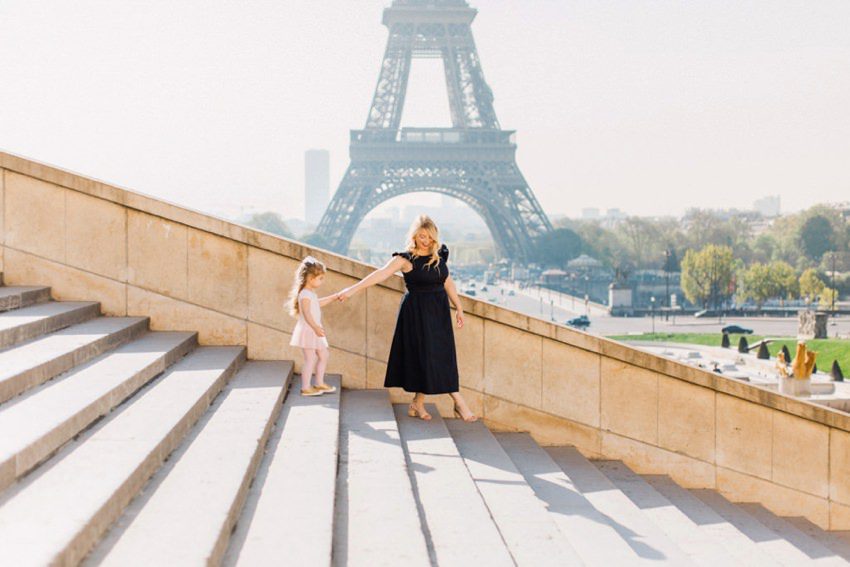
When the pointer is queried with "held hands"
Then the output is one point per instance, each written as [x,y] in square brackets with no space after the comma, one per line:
[343,295]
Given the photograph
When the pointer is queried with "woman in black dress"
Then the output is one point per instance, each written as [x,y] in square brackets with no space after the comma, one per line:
[422,357]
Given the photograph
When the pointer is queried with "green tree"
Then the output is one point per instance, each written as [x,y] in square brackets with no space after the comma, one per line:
[757,284]
[827,298]
[707,275]
[816,237]
[811,286]
[785,280]
[558,246]
[269,222]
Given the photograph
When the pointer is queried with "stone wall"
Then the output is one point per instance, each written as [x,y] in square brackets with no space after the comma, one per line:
[189,271]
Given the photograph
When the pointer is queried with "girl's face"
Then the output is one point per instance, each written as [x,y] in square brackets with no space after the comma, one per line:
[314,282]
[423,240]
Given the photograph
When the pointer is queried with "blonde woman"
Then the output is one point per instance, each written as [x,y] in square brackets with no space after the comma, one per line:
[422,356]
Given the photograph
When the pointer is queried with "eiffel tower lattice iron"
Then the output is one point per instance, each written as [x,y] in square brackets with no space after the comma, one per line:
[474,160]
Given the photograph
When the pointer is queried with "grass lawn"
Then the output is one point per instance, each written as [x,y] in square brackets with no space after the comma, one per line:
[827,349]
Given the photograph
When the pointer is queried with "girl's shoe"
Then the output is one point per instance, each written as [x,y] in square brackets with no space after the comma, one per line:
[326,388]
[421,414]
[311,392]
[472,417]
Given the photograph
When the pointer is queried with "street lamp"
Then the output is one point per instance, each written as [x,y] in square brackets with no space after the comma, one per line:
[652,309]
[667,254]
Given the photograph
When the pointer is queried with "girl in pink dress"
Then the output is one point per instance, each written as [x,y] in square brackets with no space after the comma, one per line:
[309,334]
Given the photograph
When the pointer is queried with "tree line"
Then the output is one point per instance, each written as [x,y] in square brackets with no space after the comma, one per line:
[722,253]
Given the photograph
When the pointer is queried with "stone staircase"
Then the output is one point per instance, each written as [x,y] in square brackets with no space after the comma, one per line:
[122,446]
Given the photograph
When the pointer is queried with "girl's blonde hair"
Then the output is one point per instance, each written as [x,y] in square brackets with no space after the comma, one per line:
[424,222]
[308,268]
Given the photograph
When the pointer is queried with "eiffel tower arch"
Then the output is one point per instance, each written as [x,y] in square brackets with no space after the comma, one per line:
[474,160]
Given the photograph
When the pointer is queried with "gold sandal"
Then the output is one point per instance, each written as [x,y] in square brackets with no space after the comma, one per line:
[413,412]
[472,418]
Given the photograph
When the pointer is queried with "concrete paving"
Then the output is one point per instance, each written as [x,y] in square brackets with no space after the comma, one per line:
[376,521]
[529,531]
[15,297]
[698,544]
[779,548]
[29,364]
[59,513]
[290,508]
[21,325]
[745,550]
[461,530]
[591,533]
[35,425]
[802,541]
[636,529]
[190,507]
[836,541]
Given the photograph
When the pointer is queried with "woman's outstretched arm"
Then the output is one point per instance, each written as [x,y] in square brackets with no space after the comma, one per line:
[451,290]
[395,264]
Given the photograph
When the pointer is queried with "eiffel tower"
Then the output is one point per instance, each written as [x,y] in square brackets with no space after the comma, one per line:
[474,160]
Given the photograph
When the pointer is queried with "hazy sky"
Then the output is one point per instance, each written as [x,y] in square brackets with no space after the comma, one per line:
[648,106]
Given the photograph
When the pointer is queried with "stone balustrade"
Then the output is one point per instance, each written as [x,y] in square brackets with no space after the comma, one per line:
[186,270]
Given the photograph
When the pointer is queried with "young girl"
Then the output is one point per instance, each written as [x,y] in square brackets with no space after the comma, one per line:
[308,333]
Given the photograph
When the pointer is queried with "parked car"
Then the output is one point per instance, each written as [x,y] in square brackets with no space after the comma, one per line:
[736,330]
[580,322]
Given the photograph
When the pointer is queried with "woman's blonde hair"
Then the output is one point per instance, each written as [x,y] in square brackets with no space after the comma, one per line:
[424,222]
[308,268]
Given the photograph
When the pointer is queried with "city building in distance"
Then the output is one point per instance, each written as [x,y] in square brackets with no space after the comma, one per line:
[316,184]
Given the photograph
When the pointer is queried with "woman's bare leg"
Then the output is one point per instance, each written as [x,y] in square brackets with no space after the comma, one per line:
[462,407]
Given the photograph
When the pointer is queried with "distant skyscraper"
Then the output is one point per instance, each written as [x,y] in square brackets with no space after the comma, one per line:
[316,184]
[590,213]
[768,206]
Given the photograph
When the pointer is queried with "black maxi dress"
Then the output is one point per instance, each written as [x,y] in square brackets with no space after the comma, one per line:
[422,355]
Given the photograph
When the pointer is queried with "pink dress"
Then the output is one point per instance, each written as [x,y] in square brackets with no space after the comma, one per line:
[303,335]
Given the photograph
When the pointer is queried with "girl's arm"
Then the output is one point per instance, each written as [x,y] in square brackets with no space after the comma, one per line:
[395,264]
[328,299]
[305,309]
[451,290]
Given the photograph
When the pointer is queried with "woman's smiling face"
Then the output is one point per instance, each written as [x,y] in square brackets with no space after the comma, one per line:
[423,240]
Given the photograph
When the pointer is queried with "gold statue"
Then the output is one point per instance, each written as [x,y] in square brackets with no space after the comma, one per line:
[804,362]
[781,365]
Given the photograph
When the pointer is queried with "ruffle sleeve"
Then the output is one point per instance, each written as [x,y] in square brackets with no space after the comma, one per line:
[405,255]
[444,252]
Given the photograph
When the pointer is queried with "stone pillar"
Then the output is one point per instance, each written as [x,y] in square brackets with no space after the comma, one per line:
[812,325]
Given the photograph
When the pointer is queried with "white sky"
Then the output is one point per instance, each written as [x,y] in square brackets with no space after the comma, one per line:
[648,106]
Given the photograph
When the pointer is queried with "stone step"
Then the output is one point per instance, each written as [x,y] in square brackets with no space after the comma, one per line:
[27,323]
[58,513]
[699,545]
[644,536]
[29,364]
[819,553]
[778,547]
[190,505]
[376,519]
[590,532]
[837,541]
[299,473]
[460,528]
[529,531]
[36,424]
[745,551]
[16,297]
